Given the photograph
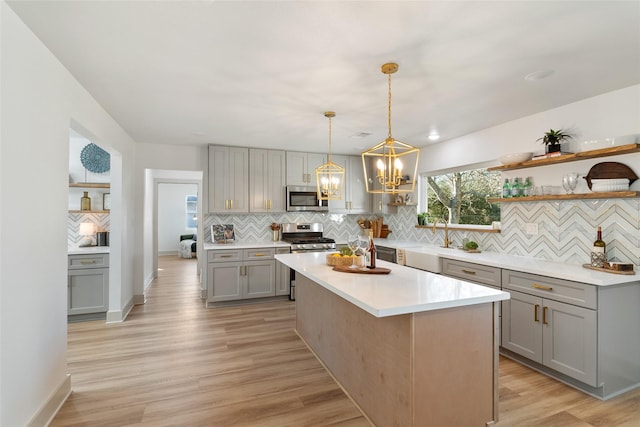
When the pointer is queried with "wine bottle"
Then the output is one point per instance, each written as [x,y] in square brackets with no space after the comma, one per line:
[598,252]
[372,252]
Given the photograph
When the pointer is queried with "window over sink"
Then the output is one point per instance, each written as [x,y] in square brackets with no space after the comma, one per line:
[461,197]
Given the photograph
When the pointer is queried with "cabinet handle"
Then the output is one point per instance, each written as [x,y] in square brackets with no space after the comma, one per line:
[258,254]
[535,313]
[231,203]
[469,271]
[541,287]
[88,261]
[226,256]
[380,205]
[226,204]
[270,204]
[544,315]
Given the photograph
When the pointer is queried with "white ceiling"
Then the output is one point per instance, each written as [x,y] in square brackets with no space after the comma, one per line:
[261,73]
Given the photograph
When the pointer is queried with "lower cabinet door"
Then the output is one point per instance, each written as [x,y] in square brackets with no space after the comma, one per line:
[259,279]
[225,281]
[569,340]
[283,275]
[88,291]
[521,325]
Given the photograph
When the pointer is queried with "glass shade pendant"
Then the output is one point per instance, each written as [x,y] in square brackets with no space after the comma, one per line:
[330,175]
[391,166]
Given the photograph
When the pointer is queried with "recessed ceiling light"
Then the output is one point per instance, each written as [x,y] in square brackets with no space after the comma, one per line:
[195,133]
[538,75]
[361,135]
[434,136]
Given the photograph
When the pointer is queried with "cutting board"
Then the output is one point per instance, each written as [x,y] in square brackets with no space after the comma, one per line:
[377,270]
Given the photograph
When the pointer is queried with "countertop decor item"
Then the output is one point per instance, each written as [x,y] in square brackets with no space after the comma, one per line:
[95,159]
[376,270]
[553,138]
[610,170]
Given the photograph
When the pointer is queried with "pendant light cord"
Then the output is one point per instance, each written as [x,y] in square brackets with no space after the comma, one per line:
[389,107]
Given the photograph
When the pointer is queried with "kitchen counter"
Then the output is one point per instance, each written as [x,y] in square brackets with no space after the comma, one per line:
[89,250]
[411,348]
[235,244]
[559,270]
[404,290]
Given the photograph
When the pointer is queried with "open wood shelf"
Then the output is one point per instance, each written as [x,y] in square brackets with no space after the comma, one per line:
[577,196]
[89,185]
[91,211]
[564,158]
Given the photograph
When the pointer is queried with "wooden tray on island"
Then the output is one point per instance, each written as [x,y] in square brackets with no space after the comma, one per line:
[377,270]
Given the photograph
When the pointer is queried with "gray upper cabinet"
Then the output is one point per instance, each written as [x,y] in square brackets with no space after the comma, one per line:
[355,198]
[301,167]
[267,180]
[228,179]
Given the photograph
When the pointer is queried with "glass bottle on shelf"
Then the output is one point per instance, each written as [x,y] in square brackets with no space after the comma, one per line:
[516,188]
[526,188]
[85,202]
[506,188]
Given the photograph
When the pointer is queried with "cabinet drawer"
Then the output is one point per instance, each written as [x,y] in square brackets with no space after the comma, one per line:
[258,253]
[224,255]
[77,262]
[567,291]
[472,272]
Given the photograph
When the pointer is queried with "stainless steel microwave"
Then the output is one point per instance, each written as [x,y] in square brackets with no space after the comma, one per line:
[300,199]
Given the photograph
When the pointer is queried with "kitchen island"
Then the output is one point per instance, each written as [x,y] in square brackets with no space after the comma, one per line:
[410,348]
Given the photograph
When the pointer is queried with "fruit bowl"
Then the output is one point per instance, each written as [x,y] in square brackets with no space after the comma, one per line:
[515,158]
[345,260]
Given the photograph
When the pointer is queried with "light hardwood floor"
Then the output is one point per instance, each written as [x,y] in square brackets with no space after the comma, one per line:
[175,363]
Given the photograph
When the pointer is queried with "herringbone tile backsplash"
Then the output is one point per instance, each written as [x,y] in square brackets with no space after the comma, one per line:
[101,220]
[566,229]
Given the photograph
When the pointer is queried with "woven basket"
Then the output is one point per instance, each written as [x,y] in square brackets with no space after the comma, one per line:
[340,260]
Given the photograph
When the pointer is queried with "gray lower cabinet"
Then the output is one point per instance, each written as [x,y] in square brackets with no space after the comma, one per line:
[88,286]
[283,275]
[477,273]
[557,335]
[237,274]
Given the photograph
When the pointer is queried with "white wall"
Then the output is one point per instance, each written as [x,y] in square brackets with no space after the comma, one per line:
[40,101]
[171,215]
[612,114]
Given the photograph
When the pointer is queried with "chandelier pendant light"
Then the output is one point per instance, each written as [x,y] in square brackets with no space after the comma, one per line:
[388,165]
[330,175]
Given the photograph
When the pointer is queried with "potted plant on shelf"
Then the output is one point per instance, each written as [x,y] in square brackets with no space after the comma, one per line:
[553,138]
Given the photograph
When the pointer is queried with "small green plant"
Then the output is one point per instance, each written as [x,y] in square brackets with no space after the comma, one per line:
[553,137]
[345,251]
[422,218]
[471,245]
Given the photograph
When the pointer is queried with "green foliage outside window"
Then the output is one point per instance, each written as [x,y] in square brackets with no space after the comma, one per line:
[461,197]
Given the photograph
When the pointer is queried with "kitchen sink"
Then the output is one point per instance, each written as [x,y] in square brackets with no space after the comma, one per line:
[424,258]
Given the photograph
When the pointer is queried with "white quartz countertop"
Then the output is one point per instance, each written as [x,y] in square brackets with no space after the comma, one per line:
[234,244]
[559,270]
[404,290]
[88,250]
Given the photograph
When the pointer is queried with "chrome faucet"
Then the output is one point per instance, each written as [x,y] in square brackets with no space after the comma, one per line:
[447,242]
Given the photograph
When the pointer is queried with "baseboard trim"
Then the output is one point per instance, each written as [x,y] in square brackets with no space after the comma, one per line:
[50,408]
[120,315]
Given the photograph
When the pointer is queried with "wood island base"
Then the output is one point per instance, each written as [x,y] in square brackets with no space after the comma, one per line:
[431,368]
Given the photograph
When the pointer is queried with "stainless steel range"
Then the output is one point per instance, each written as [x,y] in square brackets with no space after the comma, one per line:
[305,238]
